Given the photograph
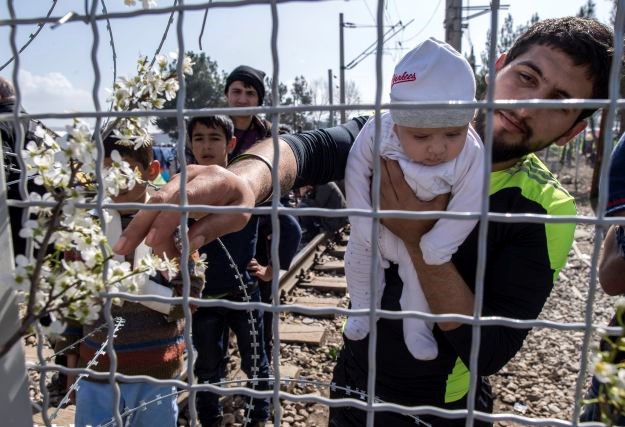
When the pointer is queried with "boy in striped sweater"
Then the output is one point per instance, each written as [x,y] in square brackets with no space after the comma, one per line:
[151,340]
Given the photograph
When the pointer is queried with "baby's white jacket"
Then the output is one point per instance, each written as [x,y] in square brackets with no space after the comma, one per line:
[462,176]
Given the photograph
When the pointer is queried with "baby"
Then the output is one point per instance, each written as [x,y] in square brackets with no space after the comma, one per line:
[439,152]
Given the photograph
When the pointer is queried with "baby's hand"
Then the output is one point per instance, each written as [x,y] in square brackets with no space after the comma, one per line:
[396,195]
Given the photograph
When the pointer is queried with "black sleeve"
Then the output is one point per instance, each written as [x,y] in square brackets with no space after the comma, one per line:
[519,279]
[321,155]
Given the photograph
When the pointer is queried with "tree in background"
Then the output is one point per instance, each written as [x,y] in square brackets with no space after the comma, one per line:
[587,10]
[320,95]
[507,35]
[352,93]
[300,93]
[282,91]
[204,89]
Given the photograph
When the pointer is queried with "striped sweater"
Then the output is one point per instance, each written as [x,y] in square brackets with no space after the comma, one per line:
[149,342]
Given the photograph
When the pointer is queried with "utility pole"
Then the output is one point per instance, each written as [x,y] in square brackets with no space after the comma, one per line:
[453,23]
[389,34]
[330,98]
[342,65]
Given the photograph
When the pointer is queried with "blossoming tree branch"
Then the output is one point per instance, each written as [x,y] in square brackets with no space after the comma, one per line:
[64,220]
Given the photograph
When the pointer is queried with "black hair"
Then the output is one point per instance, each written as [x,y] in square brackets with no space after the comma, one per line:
[144,155]
[250,77]
[218,122]
[586,41]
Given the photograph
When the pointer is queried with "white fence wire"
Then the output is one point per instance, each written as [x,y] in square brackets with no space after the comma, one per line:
[95,13]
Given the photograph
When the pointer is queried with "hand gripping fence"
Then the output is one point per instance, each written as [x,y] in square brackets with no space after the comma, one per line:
[362,399]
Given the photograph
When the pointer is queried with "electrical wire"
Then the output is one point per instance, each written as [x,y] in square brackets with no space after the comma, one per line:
[425,25]
[169,22]
[32,36]
[203,25]
[369,9]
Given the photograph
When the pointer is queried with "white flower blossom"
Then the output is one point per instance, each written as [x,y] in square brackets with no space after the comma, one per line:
[187,66]
[66,167]
[148,4]
[604,371]
[169,267]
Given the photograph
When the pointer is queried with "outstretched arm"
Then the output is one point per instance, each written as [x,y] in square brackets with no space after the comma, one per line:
[244,183]
[314,157]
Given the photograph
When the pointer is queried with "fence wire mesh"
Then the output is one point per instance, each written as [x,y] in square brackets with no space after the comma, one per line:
[96,15]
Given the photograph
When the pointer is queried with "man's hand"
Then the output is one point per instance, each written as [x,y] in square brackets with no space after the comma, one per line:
[262,272]
[396,194]
[206,185]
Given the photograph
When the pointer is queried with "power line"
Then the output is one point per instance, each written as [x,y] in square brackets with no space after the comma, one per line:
[389,34]
[370,12]
[425,25]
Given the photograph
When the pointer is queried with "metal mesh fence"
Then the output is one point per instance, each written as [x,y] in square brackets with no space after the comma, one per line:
[364,399]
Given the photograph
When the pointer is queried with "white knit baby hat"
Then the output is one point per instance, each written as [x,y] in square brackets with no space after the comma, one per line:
[433,71]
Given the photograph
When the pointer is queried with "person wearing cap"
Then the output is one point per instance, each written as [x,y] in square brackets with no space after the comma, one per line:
[439,153]
[245,87]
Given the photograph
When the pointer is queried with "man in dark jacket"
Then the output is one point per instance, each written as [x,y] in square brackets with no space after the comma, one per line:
[245,87]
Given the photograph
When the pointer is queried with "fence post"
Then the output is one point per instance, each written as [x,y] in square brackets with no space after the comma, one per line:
[14,401]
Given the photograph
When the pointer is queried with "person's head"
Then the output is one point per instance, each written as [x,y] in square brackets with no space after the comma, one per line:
[245,87]
[433,71]
[7,91]
[211,139]
[141,159]
[554,59]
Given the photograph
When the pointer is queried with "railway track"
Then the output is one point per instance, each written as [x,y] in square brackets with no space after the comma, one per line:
[308,345]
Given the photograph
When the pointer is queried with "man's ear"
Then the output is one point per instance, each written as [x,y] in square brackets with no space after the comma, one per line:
[571,133]
[153,170]
[501,61]
[231,144]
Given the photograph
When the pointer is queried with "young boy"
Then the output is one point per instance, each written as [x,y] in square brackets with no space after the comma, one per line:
[211,140]
[150,342]
[439,152]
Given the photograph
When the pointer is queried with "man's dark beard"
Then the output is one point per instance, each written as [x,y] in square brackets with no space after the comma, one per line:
[502,152]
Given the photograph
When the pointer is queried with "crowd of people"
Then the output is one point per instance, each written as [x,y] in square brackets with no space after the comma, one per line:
[431,160]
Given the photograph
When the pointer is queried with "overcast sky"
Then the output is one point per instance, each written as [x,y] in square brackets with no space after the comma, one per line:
[56,73]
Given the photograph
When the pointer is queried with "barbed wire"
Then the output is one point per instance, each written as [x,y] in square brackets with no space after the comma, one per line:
[74,344]
[240,382]
[119,323]
[251,321]
[114,53]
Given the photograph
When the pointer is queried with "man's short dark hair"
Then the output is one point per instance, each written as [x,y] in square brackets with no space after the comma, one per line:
[7,91]
[144,155]
[218,122]
[586,41]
